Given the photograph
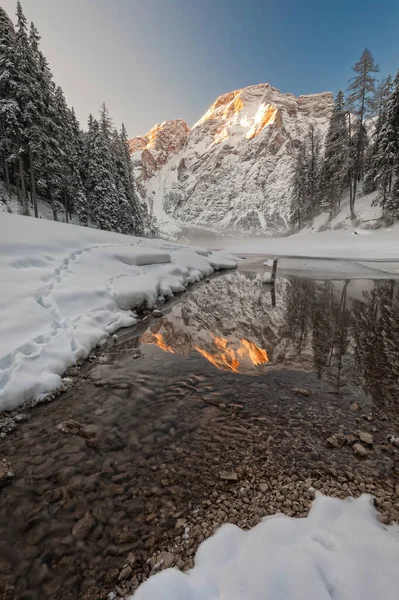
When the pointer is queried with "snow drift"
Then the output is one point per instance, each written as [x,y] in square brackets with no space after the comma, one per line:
[66,288]
[338,551]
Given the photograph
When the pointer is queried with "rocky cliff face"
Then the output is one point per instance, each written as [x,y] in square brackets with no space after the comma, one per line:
[232,170]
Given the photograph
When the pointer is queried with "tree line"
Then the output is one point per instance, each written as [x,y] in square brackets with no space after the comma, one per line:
[44,151]
[361,150]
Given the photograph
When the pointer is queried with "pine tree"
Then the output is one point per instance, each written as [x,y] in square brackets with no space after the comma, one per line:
[371,168]
[25,96]
[67,156]
[299,190]
[88,168]
[306,180]
[125,217]
[8,107]
[76,191]
[362,88]
[53,157]
[34,126]
[103,196]
[335,163]
[138,212]
[387,158]
[392,204]
[43,150]
[313,172]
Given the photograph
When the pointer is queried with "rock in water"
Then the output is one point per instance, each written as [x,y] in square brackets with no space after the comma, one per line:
[228,475]
[359,450]
[366,437]
[71,427]
[393,440]
[82,528]
[301,392]
[337,440]
[6,473]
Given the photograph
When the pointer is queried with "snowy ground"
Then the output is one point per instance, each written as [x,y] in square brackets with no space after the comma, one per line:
[66,288]
[339,551]
[367,216]
[373,252]
[377,245]
[44,208]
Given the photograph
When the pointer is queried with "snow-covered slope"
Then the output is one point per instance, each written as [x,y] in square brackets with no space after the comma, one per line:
[231,171]
[9,203]
[368,216]
[64,289]
[339,551]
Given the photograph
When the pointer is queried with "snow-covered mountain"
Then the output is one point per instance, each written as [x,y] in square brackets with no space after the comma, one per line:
[231,170]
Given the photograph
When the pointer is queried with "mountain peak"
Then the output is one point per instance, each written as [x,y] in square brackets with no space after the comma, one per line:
[248,111]
[169,133]
[232,170]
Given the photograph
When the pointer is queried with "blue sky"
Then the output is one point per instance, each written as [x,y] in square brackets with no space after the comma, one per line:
[152,60]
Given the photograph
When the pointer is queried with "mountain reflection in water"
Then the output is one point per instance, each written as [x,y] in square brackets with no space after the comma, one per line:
[345,331]
[221,354]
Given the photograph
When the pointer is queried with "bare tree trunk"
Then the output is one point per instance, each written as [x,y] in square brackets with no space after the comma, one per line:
[18,190]
[66,206]
[353,197]
[6,173]
[33,185]
[5,163]
[351,172]
[55,216]
[23,186]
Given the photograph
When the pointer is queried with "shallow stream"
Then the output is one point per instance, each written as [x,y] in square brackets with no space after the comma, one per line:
[232,388]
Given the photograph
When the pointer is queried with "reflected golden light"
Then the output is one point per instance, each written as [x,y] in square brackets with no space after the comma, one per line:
[221,356]
[257,355]
[224,360]
[157,340]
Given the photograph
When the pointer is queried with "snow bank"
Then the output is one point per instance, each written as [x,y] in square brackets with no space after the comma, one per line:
[365,245]
[66,288]
[338,551]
